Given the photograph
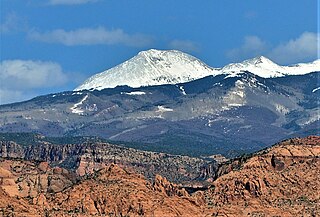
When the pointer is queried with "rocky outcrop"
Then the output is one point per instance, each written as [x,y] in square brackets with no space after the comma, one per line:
[111,191]
[85,158]
[26,179]
[24,186]
[114,191]
[161,184]
[10,149]
[282,180]
[208,171]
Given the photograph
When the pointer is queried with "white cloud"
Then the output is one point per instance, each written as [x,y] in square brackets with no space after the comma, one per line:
[10,96]
[19,78]
[184,45]
[303,48]
[91,36]
[70,2]
[252,46]
[12,23]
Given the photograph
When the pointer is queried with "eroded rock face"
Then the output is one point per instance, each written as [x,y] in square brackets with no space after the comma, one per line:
[89,157]
[282,180]
[115,191]
[9,149]
[112,191]
[26,179]
[161,184]
[26,185]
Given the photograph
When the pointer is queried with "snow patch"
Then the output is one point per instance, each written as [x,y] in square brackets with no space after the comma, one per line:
[312,119]
[209,124]
[77,93]
[75,109]
[316,89]
[182,90]
[163,109]
[239,90]
[235,104]
[282,109]
[92,108]
[134,93]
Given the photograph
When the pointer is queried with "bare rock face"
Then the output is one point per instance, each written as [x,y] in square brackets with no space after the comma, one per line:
[9,149]
[34,189]
[25,184]
[114,191]
[161,184]
[277,163]
[282,180]
[86,158]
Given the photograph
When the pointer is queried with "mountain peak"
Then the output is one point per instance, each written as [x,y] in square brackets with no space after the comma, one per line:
[152,52]
[259,60]
[151,67]
[260,66]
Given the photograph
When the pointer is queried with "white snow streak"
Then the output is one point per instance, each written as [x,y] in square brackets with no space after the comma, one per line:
[135,93]
[316,89]
[76,110]
[182,90]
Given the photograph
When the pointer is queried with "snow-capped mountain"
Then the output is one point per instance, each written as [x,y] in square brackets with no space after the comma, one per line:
[265,68]
[156,67]
[152,67]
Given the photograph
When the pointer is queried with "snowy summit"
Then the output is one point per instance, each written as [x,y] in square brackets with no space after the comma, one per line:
[156,67]
[151,67]
[265,68]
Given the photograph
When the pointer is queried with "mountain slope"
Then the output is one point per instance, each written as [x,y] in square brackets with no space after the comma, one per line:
[230,113]
[213,115]
[157,67]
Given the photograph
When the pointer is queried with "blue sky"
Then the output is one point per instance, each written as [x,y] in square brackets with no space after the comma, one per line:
[53,45]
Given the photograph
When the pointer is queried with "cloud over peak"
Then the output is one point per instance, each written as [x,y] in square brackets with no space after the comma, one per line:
[251,47]
[300,49]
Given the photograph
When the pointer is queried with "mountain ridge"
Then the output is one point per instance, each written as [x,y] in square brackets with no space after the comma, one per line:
[158,67]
